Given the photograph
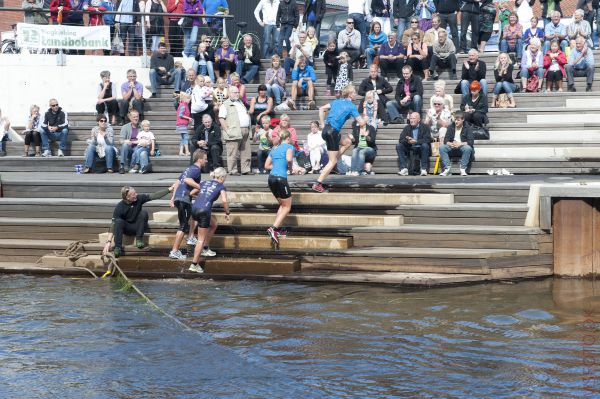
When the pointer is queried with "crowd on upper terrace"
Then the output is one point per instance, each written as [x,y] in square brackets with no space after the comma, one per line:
[413,40]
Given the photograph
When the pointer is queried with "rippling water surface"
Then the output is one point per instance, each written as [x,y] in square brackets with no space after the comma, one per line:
[82,338]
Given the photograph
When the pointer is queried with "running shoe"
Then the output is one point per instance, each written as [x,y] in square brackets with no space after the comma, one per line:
[274,234]
[117,252]
[192,241]
[318,187]
[177,255]
[206,251]
[283,232]
[196,268]
[139,243]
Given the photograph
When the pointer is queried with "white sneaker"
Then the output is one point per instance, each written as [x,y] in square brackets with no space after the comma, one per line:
[47,153]
[403,172]
[192,241]
[60,153]
[208,252]
[423,172]
[177,255]
[446,172]
[196,268]
[463,172]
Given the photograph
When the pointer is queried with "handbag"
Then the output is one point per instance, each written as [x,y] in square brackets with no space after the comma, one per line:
[503,101]
[117,44]
[303,161]
[532,83]
[435,149]
[480,132]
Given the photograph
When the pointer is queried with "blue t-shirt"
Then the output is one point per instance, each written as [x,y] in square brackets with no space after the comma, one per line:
[211,7]
[209,192]
[277,155]
[183,190]
[339,113]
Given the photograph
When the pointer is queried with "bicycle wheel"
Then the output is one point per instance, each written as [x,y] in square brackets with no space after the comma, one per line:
[255,40]
[9,47]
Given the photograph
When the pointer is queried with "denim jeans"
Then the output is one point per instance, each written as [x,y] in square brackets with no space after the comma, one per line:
[246,71]
[450,19]
[371,53]
[190,35]
[360,24]
[90,154]
[358,158]
[141,156]
[276,92]
[509,88]
[394,109]
[465,84]
[207,69]
[128,30]
[518,48]
[284,34]
[174,79]
[403,150]
[126,152]
[563,45]
[60,136]
[270,47]
[464,152]
[539,72]
[403,23]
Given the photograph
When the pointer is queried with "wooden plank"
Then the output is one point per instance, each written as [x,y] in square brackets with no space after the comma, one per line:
[573,237]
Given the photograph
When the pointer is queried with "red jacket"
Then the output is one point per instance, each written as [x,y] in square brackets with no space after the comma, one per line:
[175,9]
[561,59]
[54,9]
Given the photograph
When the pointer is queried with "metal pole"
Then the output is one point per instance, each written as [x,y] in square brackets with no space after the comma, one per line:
[145,61]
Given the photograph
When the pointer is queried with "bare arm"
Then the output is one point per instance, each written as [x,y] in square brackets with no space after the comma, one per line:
[322,111]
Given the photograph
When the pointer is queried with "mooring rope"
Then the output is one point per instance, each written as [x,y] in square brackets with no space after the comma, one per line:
[73,252]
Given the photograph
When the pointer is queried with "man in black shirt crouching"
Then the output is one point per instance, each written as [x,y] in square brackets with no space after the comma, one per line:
[130,219]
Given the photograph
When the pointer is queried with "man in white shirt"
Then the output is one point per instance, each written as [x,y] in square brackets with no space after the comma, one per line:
[360,12]
[269,23]
[349,40]
[235,124]
[301,47]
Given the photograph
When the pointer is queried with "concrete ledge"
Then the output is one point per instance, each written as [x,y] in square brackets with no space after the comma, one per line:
[90,261]
[248,241]
[300,220]
[563,119]
[346,198]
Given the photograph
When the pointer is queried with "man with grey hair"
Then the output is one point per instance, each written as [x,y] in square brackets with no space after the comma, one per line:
[248,59]
[131,93]
[579,27]
[555,30]
[580,63]
[300,48]
[473,69]
[443,55]
[235,124]
[391,56]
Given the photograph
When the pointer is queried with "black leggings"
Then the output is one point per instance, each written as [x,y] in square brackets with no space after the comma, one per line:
[32,136]
[136,228]
[331,76]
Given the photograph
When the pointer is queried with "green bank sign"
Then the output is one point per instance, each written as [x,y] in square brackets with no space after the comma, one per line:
[63,37]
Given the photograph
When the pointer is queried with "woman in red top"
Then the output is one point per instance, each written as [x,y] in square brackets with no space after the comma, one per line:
[554,64]
[175,34]
[59,10]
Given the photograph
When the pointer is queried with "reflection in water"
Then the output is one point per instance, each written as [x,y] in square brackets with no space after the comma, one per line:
[81,338]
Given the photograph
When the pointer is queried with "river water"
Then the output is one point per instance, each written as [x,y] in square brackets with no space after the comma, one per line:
[83,338]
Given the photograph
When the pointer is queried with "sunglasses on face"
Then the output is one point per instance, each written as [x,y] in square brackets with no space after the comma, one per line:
[54,105]
[102,121]
[414,22]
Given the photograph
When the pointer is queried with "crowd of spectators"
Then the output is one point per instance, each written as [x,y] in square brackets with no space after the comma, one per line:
[412,41]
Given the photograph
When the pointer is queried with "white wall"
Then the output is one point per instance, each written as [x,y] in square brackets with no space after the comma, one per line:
[33,79]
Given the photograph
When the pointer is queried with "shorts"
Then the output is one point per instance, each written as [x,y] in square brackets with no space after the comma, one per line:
[279,187]
[184,210]
[332,138]
[202,216]
[554,76]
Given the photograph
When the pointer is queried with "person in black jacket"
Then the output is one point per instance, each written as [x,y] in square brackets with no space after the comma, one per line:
[55,127]
[403,11]
[381,10]
[412,101]
[314,11]
[473,69]
[207,137]
[381,87]
[130,219]
[248,59]
[416,137]
[447,10]
[288,18]
[458,141]
[475,106]
[469,15]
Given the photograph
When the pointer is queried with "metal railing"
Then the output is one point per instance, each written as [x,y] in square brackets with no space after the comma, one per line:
[145,59]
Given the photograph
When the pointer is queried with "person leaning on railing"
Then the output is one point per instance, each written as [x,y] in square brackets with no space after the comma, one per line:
[33,12]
